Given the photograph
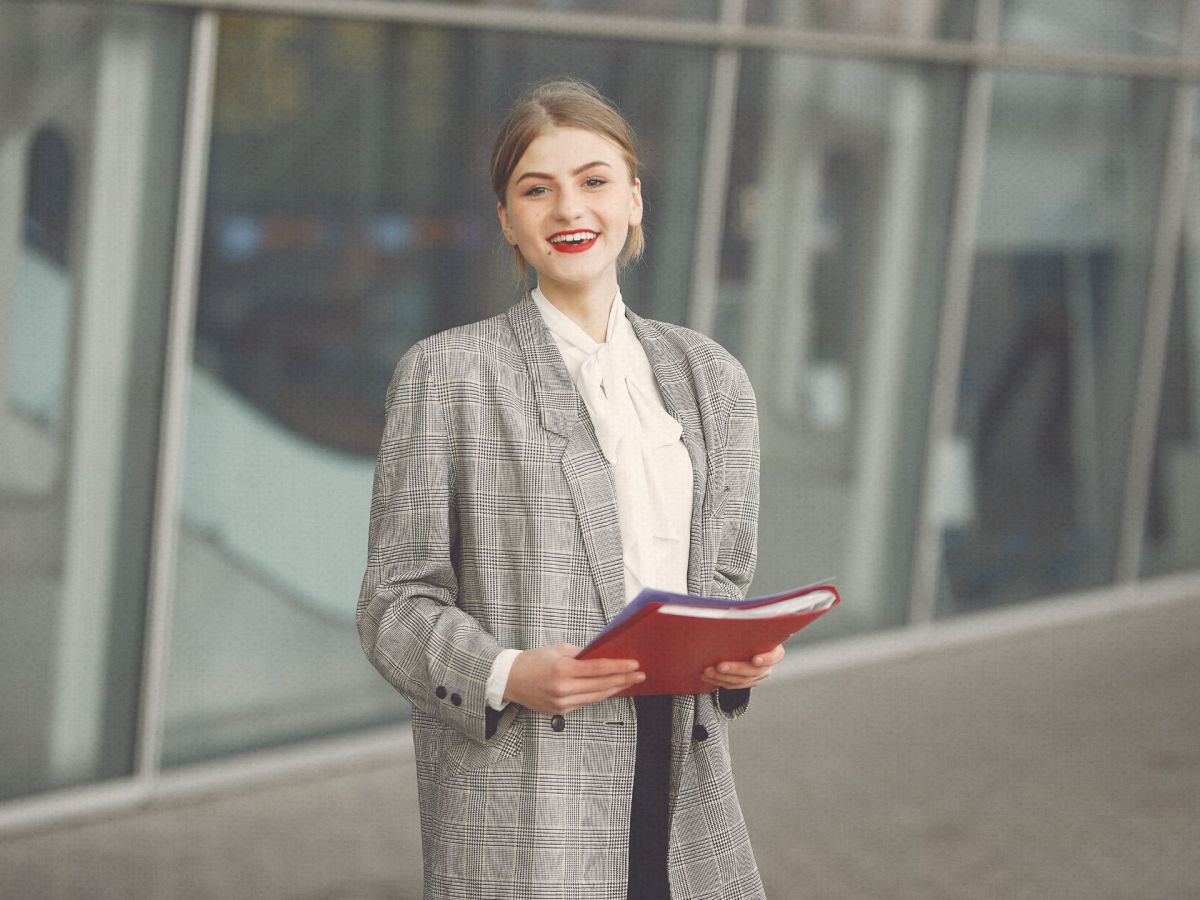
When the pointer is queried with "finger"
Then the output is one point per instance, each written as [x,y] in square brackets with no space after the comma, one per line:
[570,704]
[735,681]
[770,658]
[618,682]
[739,669]
[736,677]
[591,668]
[733,684]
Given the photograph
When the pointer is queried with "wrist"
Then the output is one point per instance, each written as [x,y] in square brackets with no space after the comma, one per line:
[499,678]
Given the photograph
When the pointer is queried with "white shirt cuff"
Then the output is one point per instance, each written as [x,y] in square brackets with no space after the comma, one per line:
[498,679]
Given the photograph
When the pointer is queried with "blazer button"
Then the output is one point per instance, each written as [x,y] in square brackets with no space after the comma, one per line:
[441,692]
[557,723]
[699,732]
[456,699]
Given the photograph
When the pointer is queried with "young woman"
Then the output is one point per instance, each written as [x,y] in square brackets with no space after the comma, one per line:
[537,470]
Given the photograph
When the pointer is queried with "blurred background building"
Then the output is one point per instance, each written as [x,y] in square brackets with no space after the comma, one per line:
[955,243]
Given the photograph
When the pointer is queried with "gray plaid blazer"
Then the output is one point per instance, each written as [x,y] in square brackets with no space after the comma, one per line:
[494,524]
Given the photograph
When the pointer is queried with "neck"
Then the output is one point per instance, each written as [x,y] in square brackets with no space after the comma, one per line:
[588,307]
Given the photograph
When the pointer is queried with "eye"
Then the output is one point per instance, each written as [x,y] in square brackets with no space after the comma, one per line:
[595,181]
[536,191]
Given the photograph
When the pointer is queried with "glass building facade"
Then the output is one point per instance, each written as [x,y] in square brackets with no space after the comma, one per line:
[956,244]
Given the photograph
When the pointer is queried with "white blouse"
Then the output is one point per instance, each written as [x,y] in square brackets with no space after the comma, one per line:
[641,440]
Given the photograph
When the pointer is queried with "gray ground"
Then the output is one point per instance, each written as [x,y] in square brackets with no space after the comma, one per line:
[1062,764]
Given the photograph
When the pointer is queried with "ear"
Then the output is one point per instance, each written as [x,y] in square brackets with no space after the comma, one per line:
[505,226]
[635,210]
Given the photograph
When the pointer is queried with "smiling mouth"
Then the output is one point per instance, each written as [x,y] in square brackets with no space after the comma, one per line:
[573,241]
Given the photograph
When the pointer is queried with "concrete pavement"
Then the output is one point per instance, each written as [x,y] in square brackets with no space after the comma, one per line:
[1052,765]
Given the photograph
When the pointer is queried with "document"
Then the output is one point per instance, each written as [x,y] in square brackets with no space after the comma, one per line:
[675,637]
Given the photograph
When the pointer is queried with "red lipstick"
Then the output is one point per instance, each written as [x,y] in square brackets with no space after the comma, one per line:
[567,242]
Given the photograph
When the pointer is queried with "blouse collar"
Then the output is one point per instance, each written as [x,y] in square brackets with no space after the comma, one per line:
[567,329]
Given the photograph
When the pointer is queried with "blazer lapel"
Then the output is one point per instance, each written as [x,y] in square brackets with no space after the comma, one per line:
[557,399]
[584,466]
[679,396]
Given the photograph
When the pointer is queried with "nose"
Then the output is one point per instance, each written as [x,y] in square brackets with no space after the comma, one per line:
[567,204]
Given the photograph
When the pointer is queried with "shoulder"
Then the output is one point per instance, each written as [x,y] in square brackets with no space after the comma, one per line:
[709,362]
[465,350]
[493,336]
[459,365]
[693,344]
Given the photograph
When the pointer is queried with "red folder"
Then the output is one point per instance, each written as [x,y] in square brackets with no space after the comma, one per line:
[676,637]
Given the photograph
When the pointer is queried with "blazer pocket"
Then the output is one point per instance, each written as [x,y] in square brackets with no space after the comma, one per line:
[463,755]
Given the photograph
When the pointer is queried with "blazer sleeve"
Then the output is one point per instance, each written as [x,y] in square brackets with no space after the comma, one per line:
[738,550]
[409,621]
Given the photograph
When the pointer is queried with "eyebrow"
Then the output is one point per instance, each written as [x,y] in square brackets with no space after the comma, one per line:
[583,168]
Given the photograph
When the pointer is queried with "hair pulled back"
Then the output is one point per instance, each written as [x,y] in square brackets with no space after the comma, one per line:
[561,103]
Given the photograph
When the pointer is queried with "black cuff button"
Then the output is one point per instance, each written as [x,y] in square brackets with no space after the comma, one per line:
[557,723]
[441,692]
[456,699]
[699,733]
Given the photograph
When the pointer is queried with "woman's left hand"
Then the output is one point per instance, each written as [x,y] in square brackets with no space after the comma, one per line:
[737,674]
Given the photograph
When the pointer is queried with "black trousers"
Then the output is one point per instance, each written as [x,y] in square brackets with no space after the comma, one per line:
[649,826]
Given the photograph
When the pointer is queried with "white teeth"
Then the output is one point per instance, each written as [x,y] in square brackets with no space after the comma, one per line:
[577,237]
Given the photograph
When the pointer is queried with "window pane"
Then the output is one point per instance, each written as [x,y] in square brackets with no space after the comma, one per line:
[837,221]
[898,18]
[1033,481]
[349,215]
[89,152]
[1148,27]
[1172,537]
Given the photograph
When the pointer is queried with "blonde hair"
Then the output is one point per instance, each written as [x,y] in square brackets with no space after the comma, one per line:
[562,103]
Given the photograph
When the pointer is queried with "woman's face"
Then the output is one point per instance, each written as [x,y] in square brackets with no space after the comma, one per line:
[568,208]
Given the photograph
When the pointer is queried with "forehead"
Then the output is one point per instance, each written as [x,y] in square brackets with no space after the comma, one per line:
[559,149]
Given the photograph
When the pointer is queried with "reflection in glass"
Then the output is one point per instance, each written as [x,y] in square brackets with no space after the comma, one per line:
[1172,535]
[89,148]
[1031,485]
[1146,27]
[349,215]
[841,186]
[665,9]
[40,319]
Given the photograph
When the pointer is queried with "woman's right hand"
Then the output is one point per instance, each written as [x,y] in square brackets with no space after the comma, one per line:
[551,680]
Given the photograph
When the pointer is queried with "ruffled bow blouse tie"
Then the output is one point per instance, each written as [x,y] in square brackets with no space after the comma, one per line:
[639,438]
[641,441]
